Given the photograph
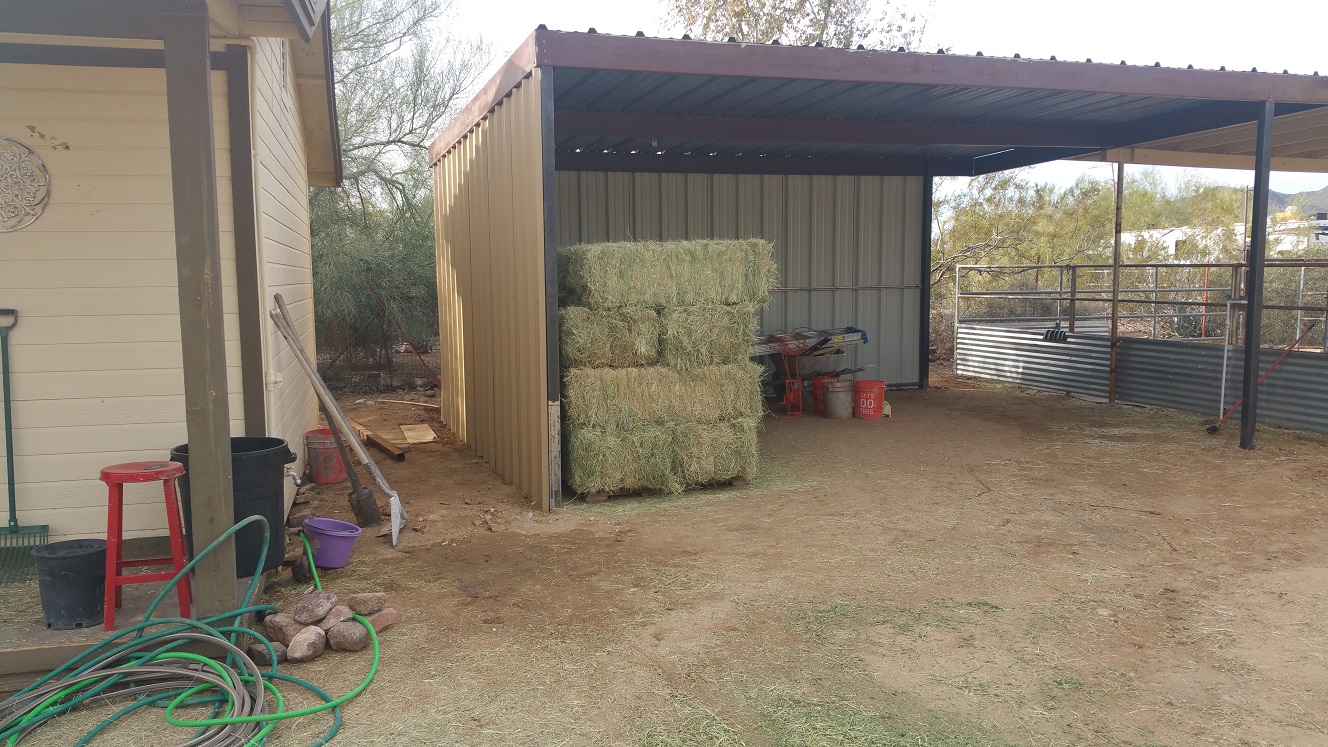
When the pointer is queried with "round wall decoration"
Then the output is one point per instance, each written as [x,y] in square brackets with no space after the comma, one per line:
[25,185]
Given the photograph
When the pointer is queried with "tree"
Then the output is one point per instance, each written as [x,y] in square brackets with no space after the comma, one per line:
[397,85]
[835,23]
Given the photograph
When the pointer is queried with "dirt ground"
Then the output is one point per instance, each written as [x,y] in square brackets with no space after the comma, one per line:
[990,566]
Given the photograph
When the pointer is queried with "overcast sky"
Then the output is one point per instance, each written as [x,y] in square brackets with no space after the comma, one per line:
[1174,32]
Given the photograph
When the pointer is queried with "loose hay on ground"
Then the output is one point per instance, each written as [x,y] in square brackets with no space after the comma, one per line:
[663,274]
[615,338]
[708,335]
[623,398]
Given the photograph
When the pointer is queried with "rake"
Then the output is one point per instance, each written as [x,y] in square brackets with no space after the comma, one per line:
[16,542]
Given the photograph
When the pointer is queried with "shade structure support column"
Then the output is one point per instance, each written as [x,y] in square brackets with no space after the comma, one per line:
[1263,160]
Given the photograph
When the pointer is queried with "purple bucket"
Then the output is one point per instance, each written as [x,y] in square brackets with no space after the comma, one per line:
[331,541]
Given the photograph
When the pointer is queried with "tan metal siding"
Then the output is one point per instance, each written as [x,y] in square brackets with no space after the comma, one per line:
[96,357]
[489,209]
[828,231]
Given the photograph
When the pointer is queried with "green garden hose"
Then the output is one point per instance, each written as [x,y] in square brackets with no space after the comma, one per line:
[148,670]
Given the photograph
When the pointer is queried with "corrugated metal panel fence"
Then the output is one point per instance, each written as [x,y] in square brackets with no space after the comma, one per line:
[1188,376]
[1020,356]
[1163,373]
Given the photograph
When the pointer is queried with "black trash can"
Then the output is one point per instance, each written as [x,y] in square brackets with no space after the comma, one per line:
[71,579]
[258,476]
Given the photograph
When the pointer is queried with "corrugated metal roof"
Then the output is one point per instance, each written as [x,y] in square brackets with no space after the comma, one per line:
[944,114]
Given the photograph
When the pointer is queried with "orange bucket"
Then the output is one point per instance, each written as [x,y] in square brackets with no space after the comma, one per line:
[870,394]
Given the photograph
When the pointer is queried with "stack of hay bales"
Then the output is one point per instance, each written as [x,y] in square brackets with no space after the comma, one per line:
[658,392]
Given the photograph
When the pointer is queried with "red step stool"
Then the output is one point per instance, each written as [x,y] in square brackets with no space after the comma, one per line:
[115,478]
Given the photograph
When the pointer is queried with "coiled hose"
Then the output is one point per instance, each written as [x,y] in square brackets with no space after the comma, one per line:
[149,669]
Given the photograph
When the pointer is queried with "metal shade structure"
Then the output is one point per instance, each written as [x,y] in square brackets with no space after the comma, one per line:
[639,105]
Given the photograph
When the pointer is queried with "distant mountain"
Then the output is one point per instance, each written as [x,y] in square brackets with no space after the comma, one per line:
[1309,202]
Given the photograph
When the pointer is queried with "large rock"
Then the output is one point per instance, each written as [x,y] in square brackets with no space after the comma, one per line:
[383,619]
[314,607]
[307,645]
[347,636]
[367,603]
[339,614]
[281,627]
[259,653]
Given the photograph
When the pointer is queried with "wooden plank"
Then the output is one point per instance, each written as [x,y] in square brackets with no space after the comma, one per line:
[418,433]
[380,442]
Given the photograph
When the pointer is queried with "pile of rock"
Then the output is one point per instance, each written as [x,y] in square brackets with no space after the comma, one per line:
[321,621]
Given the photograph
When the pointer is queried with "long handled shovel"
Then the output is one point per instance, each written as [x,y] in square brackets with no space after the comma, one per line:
[1214,428]
[16,542]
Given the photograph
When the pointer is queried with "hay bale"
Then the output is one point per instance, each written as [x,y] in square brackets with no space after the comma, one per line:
[610,461]
[625,398]
[709,335]
[707,453]
[661,274]
[615,338]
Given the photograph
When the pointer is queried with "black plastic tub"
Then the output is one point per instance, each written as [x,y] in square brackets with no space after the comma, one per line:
[258,477]
[71,579]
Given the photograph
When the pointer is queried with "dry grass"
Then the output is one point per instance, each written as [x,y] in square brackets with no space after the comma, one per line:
[665,274]
[615,338]
[709,335]
[606,460]
[627,398]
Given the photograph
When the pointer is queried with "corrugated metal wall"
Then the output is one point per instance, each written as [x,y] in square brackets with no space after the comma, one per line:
[489,222]
[848,247]
[1080,365]
[1188,376]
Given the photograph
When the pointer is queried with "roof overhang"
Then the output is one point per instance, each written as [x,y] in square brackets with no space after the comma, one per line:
[315,92]
[645,104]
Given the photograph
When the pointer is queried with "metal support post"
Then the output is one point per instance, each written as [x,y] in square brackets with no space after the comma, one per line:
[1115,282]
[1074,285]
[1249,414]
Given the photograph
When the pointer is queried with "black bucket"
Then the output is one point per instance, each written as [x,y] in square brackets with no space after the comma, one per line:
[258,477]
[71,578]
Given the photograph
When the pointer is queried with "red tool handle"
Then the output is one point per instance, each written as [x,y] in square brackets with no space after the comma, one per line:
[1276,363]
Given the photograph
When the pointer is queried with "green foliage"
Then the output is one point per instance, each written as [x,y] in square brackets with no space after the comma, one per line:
[397,83]
[833,23]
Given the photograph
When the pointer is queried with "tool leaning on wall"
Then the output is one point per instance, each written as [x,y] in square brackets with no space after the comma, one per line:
[282,319]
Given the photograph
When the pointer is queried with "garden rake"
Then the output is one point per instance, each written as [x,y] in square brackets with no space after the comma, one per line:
[16,542]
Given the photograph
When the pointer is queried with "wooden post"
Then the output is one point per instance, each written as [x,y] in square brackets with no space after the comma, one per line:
[1263,159]
[1115,282]
[199,269]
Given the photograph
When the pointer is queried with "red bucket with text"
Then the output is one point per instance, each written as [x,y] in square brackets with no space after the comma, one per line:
[325,465]
[870,394]
[818,393]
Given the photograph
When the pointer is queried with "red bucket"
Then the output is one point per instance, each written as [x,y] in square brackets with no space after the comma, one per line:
[870,394]
[818,393]
[325,465]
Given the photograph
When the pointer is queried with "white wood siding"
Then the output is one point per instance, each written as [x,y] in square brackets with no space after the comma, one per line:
[283,231]
[96,356]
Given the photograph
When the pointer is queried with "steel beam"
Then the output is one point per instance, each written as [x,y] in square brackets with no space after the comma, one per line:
[669,163]
[199,269]
[924,302]
[553,358]
[1263,158]
[1115,280]
[857,131]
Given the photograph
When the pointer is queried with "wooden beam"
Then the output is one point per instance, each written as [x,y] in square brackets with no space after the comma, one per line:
[380,442]
[125,19]
[244,209]
[199,269]
[225,16]
[1249,413]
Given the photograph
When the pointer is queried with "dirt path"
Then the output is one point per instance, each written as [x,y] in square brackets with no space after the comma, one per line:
[989,566]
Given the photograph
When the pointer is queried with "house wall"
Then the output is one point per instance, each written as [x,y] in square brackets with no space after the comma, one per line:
[489,208]
[848,247]
[96,358]
[282,193]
